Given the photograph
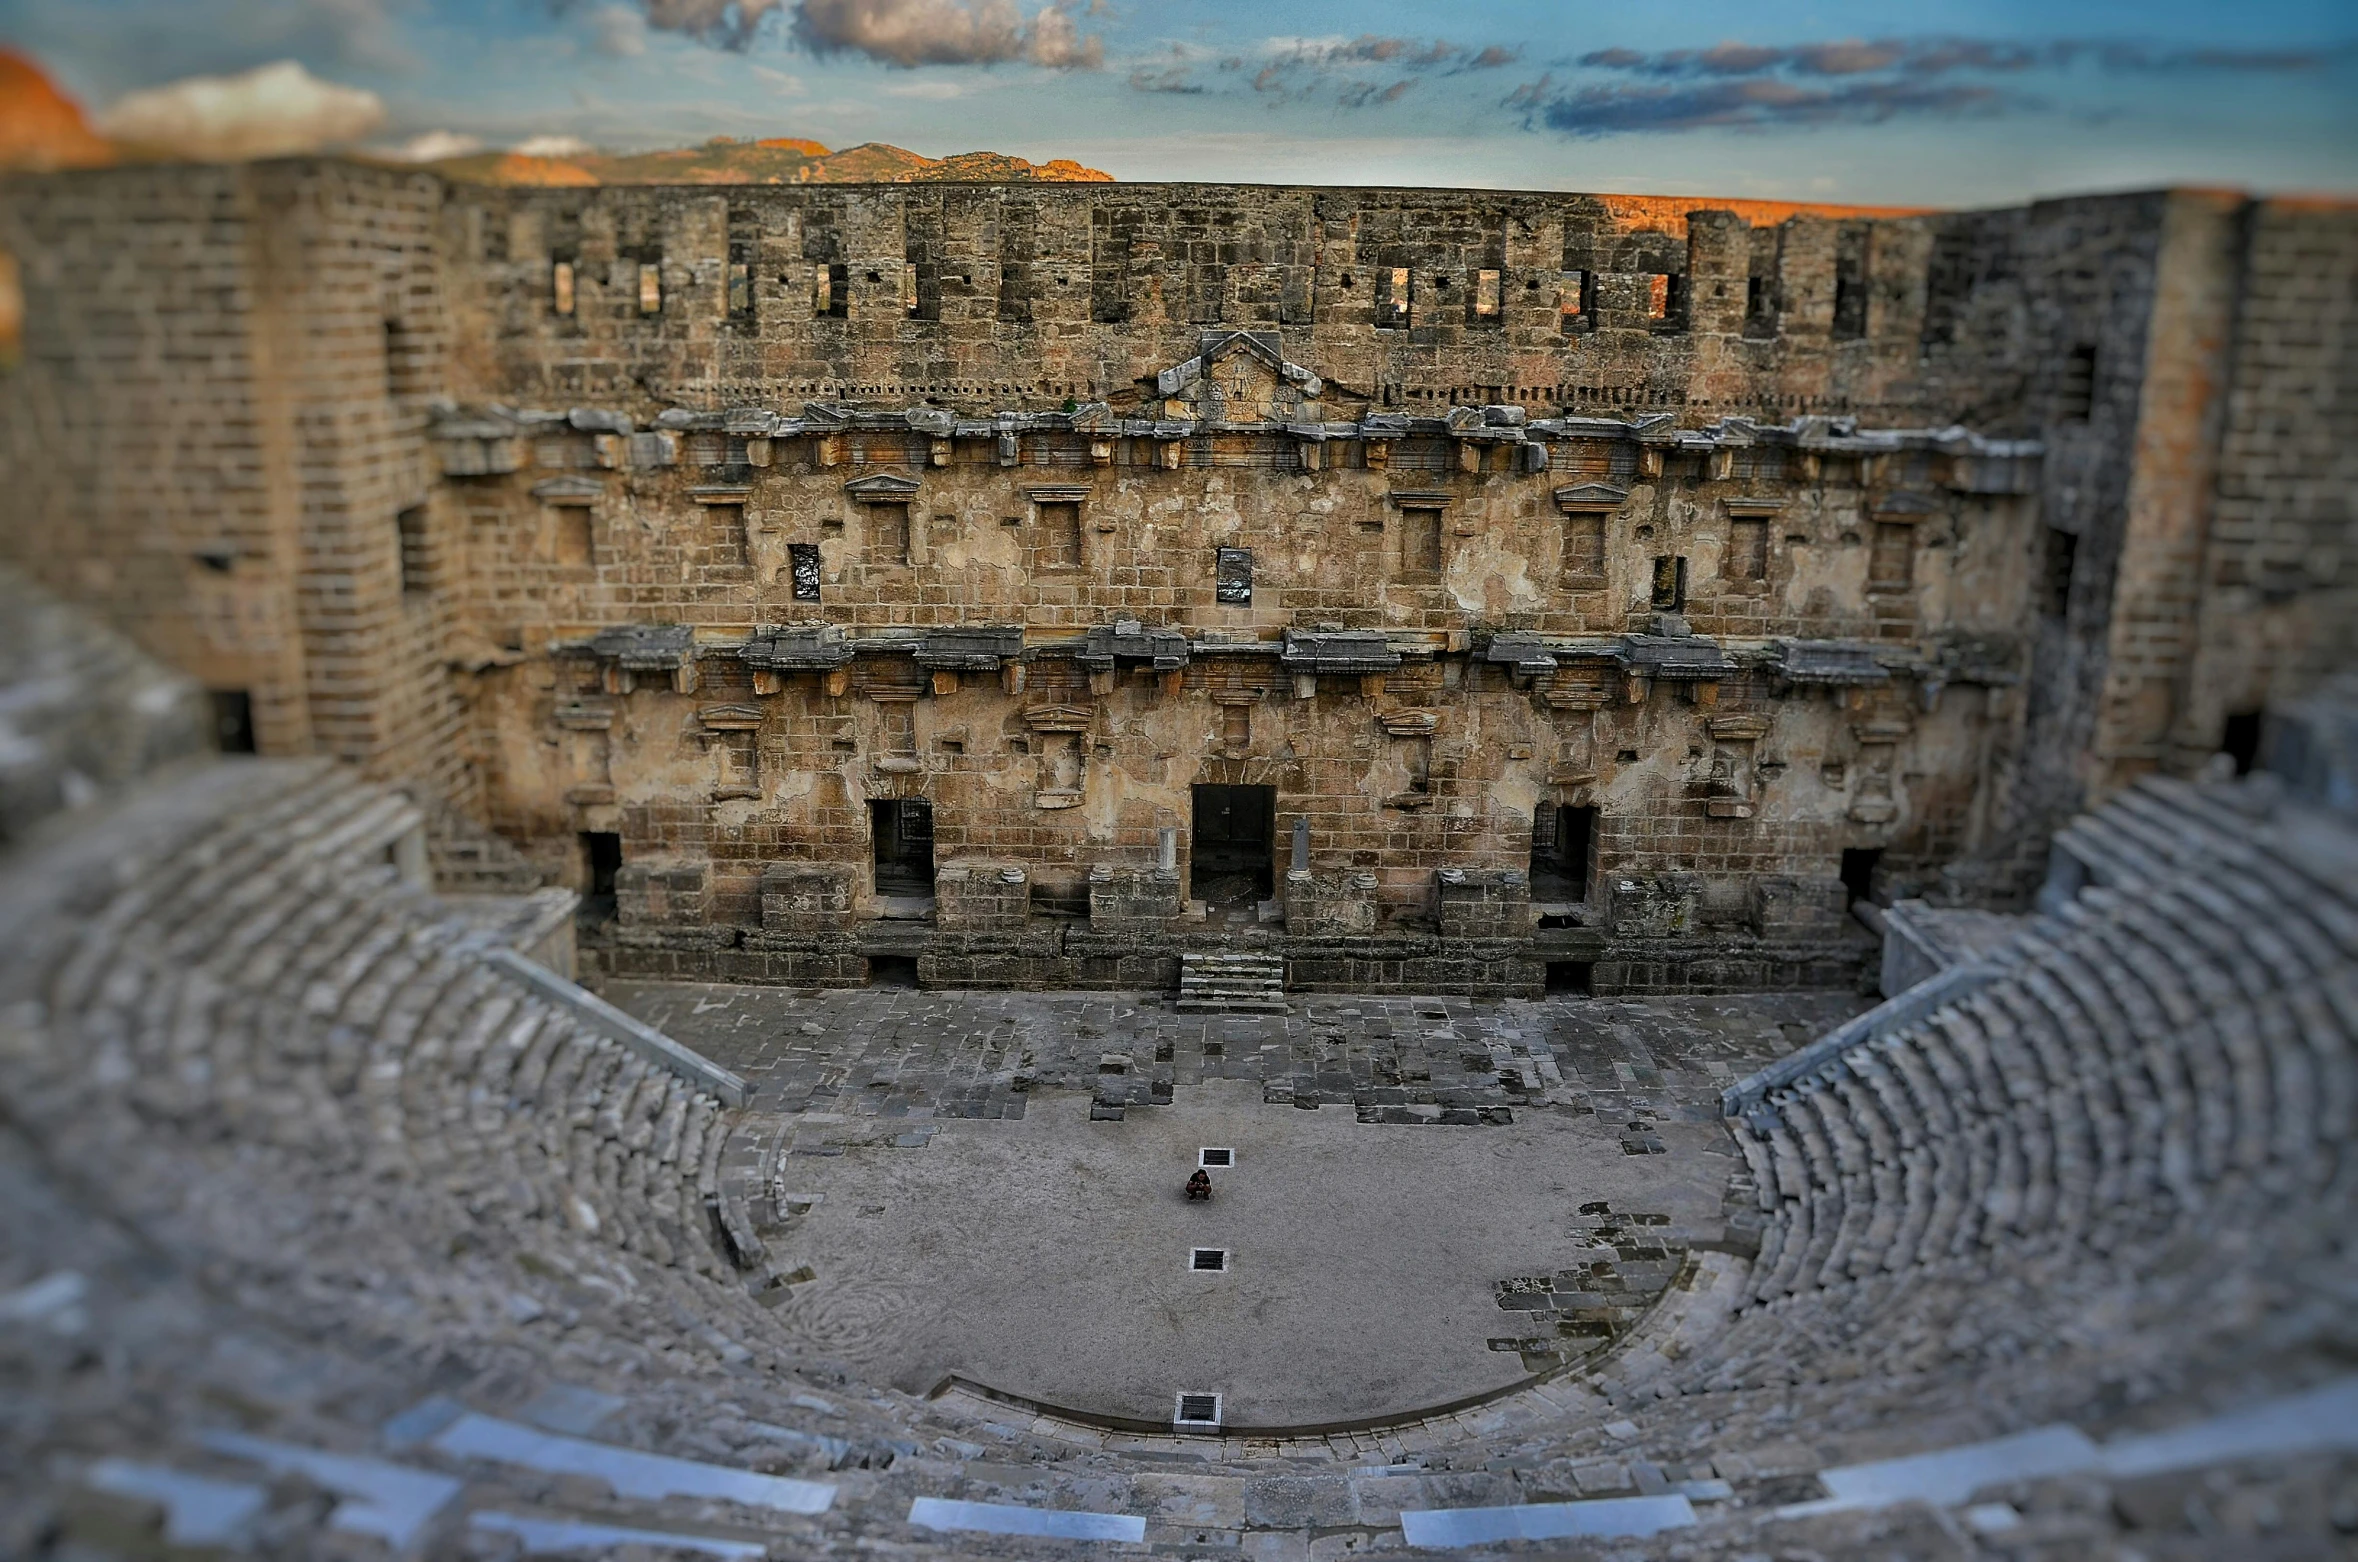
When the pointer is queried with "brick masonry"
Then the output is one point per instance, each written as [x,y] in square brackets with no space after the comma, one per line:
[1765,576]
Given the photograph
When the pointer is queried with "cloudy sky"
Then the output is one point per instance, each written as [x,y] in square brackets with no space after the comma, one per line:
[1937,102]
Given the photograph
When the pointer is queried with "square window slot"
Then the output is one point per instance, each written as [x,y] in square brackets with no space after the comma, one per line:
[1208,1260]
[1196,1410]
[1213,1157]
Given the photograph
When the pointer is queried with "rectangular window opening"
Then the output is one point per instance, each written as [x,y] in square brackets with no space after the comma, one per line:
[1850,284]
[571,540]
[1892,564]
[888,532]
[601,860]
[1576,297]
[1850,308]
[2062,550]
[650,288]
[1215,1158]
[1748,550]
[1488,288]
[901,830]
[1666,298]
[1670,583]
[1562,837]
[1208,1260]
[1858,872]
[233,721]
[1584,546]
[892,971]
[416,566]
[561,286]
[1572,978]
[831,291]
[736,763]
[802,567]
[1060,535]
[1420,541]
[2239,739]
[725,523]
[740,283]
[405,364]
[1392,300]
[2075,398]
[1232,579]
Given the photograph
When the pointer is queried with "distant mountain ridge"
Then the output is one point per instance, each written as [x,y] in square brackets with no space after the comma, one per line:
[777,160]
[40,127]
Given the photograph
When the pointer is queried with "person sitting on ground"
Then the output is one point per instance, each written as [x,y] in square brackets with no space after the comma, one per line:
[1199,1186]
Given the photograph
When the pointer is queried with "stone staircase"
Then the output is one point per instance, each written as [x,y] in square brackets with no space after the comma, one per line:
[1234,982]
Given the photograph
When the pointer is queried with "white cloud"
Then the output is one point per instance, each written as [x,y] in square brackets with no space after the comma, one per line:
[431,146]
[779,81]
[619,31]
[553,146]
[937,91]
[270,111]
[910,33]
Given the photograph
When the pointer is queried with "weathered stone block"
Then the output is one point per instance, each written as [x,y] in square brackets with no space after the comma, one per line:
[975,897]
[664,892]
[805,897]
[1132,898]
[1652,906]
[1483,902]
[1330,904]
[1791,906]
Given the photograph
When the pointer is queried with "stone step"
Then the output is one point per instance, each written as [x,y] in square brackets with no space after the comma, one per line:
[1232,981]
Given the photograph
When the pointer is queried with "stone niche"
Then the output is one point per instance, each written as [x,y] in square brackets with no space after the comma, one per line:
[806,897]
[1787,907]
[1660,905]
[971,896]
[1330,905]
[664,892]
[1483,902]
[1132,898]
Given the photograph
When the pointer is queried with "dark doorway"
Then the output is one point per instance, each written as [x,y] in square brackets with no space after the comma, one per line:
[892,970]
[1561,836]
[1574,977]
[1858,872]
[2239,740]
[601,859]
[1231,864]
[902,828]
[233,721]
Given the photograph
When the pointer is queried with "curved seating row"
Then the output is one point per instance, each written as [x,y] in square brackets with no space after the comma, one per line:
[2173,1048]
[273,976]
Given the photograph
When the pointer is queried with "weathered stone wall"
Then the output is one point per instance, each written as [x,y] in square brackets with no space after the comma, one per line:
[1019,295]
[2277,579]
[216,423]
[705,519]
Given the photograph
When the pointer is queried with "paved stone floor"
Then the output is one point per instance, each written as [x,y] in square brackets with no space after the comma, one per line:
[1432,1198]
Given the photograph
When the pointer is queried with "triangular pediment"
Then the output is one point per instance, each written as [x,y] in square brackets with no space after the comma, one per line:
[1059,718]
[1591,496]
[1238,377]
[730,718]
[886,487]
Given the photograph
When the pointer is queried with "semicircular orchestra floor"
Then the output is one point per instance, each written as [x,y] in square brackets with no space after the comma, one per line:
[1428,1200]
